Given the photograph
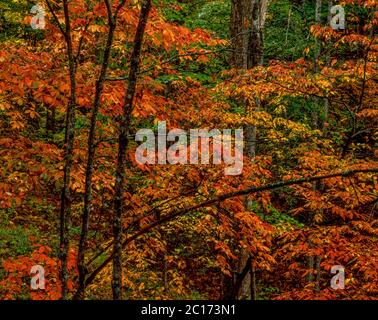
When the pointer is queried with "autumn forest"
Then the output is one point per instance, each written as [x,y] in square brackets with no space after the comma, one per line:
[188,150]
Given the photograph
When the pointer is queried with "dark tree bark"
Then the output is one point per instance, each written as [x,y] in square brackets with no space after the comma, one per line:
[65,208]
[238,279]
[246,29]
[315,124]
[247,42]
[124,129]
[240,12]
[50,121]
[91,150]
[253,282]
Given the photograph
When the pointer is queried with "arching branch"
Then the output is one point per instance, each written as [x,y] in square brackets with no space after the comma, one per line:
[221,198]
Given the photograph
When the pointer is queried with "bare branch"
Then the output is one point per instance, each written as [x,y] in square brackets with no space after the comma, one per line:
[56,18]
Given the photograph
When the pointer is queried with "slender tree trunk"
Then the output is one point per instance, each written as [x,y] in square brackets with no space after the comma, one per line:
[288,26]
[91,154]
[328,61]
[315,112]
[65,209]
[124,128]
[246,28]
[254,57]
[315,124]
[310,266]
[253,283]
[318,278]
[50,121]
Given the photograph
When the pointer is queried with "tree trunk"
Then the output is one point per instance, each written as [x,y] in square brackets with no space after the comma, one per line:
[315,124]
[253,283]
[124,128]
[315,112]
[91,154]
[238,32]
[65,208]
[246,29]
[50,121]
[328,62]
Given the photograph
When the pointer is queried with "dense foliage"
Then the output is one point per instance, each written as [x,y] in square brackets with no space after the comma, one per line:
[313,102]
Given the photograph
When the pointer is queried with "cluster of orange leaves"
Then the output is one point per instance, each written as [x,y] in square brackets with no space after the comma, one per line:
[17,282]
